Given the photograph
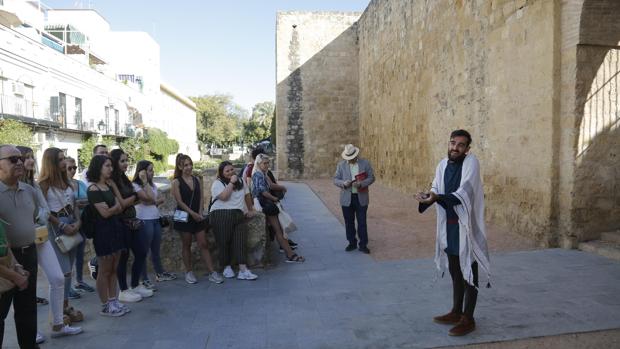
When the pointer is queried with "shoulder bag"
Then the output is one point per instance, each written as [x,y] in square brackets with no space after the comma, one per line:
[66,242]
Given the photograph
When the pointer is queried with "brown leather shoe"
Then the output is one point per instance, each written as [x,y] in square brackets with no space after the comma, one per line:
[451,318]
[465,326]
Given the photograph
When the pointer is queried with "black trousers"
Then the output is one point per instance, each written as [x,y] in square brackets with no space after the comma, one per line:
[24,302]
[462,292]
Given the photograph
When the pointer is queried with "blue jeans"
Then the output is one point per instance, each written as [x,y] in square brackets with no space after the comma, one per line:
[79,259]
[151,231]
[355,210]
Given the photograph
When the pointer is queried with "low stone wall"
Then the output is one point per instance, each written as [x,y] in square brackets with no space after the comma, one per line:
[257,241]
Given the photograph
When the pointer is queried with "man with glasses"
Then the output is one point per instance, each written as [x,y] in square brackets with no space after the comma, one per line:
[18,208]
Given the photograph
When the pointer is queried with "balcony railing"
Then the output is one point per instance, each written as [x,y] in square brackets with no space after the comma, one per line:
[16,106]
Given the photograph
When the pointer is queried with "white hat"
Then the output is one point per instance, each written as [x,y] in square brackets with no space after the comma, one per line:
[350,152]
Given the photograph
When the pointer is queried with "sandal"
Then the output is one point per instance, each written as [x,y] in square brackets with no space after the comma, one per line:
[295,259]
[74,315]
[42,301]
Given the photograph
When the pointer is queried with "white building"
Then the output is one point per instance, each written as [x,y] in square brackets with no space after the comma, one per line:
[70,76]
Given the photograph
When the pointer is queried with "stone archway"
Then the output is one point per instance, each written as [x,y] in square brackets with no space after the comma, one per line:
[588,126]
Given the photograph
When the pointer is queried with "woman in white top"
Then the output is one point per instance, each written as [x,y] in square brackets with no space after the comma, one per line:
[64,215]
[46,257]
[229,209]
[148,212]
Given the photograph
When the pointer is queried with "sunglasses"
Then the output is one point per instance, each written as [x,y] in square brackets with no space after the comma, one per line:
[13,159]
[72,168]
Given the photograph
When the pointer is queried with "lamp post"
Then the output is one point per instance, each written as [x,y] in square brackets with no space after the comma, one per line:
[101,126]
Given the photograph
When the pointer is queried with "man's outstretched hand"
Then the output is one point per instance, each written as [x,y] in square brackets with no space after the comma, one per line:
[426,197]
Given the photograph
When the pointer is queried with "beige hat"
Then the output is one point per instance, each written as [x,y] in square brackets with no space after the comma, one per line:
[350,152]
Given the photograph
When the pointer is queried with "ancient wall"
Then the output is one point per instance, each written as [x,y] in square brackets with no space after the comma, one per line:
[317,85]
[481,66]
[534,81]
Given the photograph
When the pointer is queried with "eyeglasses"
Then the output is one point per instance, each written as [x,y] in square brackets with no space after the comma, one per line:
[13,159]
[72,168]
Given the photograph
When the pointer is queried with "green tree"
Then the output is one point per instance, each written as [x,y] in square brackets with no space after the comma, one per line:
[219,120]
[16,133]
[258,127]
[85,153]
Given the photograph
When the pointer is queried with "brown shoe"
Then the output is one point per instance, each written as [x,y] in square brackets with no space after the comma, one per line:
[465,326]
[451,318]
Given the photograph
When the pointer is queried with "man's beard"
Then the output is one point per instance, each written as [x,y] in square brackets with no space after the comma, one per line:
[454,157]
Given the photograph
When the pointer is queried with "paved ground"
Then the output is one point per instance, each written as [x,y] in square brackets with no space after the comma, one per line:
[349,300]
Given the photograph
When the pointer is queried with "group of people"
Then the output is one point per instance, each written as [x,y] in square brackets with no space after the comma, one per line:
[461,245]
[46,222]
[122,216]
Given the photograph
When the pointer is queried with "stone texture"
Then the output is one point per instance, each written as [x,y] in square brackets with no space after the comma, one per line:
[534,81]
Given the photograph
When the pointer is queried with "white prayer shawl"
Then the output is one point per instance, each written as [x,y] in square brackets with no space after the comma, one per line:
[472,232]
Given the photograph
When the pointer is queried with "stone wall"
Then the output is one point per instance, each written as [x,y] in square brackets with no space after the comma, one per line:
[472,65]
[317,91]
[534,81]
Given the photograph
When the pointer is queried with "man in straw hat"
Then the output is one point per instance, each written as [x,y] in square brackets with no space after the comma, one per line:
[461,235]
[354,176]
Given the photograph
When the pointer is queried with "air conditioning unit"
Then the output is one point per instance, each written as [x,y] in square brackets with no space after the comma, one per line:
[18,88]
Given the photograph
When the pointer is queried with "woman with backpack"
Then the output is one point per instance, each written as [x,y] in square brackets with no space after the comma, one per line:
[230,200]
[108,237]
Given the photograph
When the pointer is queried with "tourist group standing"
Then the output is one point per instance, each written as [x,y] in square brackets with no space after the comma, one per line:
[47,217]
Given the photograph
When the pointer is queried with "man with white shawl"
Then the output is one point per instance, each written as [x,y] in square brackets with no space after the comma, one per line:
[461,244]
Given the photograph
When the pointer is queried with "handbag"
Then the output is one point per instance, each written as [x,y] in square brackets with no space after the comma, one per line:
[164,221]
[41,234]
[66,242]
[180,215]
[134,224]
[288,226]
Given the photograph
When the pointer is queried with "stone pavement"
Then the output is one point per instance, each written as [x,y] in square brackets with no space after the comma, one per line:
[349,300]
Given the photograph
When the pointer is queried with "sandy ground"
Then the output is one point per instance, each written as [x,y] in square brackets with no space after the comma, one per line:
[397,231]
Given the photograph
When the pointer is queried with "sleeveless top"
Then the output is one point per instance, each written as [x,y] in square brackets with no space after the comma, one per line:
[186,194]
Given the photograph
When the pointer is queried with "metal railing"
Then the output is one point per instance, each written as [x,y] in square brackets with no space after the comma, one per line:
[16,106]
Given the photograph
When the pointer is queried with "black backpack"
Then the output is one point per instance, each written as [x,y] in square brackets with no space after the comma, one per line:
[88,219]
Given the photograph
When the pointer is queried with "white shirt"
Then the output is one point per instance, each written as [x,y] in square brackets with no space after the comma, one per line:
[146,211]
[57,198]
[236,201]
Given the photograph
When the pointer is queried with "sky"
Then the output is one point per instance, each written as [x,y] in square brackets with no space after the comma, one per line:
[211,46]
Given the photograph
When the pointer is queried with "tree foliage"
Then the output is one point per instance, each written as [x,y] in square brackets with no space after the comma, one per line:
[154,146]
[219,120]
[16,133]
[258,127]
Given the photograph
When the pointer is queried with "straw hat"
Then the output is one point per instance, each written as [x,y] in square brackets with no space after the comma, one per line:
[350,152]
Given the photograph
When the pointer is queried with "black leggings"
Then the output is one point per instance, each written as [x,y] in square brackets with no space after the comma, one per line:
[461,290]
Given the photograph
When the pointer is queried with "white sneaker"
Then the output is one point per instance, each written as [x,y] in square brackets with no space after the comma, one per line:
[40,338]
[66,330]
[190,278]
[228,272]
[142,291]
[215,277]
[129,296]
[118,305]
[246,275]
[109,309]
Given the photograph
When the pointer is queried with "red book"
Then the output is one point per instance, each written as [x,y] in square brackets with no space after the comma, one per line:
[359,178]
